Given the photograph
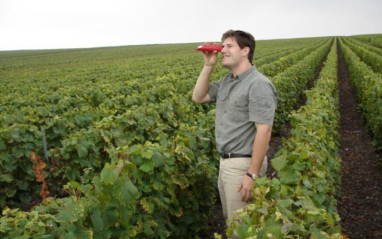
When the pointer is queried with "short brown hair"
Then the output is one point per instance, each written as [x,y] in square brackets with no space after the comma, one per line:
[244,39]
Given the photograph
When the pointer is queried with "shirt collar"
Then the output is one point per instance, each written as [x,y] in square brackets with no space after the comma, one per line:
[243,74]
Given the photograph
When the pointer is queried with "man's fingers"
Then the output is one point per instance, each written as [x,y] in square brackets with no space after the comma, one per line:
[246,195]
[246,189]
[249,194]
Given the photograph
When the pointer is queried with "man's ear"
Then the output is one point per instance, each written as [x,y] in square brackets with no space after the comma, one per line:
[246,51]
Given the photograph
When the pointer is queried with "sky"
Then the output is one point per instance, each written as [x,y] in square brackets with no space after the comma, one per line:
[59,24]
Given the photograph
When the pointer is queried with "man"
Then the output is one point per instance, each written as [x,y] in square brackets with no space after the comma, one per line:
[245,106]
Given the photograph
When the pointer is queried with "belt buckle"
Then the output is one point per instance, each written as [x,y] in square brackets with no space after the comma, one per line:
[226,155]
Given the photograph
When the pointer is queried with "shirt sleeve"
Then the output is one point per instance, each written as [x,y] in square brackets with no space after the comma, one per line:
[213,90]
[262,103]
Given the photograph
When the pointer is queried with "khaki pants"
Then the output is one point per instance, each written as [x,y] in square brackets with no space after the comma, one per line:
[231,172]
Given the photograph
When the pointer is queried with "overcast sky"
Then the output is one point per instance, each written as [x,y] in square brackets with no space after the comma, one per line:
[51,24]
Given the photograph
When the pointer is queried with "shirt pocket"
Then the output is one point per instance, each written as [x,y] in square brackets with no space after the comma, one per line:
[240,103]
[222,96]
[238,109]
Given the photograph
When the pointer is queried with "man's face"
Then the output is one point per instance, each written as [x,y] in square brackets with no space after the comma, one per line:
[232,55]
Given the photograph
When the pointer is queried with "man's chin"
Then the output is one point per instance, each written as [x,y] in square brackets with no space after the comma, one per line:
[226,65]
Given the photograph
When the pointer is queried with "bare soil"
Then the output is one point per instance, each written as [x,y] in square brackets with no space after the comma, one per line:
[360,205]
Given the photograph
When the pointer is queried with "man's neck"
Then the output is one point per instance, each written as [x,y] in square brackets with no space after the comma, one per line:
[241,68]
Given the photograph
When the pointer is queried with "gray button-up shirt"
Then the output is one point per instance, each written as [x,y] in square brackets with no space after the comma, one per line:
[241,102]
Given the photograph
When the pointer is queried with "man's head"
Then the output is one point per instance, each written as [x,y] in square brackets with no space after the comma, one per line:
[243,39]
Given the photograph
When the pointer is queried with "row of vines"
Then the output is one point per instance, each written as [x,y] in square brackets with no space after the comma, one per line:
[365,68]
[111,141]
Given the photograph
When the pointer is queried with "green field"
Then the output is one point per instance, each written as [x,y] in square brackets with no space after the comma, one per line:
[123,151]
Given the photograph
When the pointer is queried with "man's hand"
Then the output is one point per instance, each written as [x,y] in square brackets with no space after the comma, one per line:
[246,187]
[210,58]
[200,93]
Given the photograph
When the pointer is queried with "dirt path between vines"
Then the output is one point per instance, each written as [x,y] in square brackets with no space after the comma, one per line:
[360,204]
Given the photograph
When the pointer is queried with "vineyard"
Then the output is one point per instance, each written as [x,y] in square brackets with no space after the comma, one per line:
[107,143]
